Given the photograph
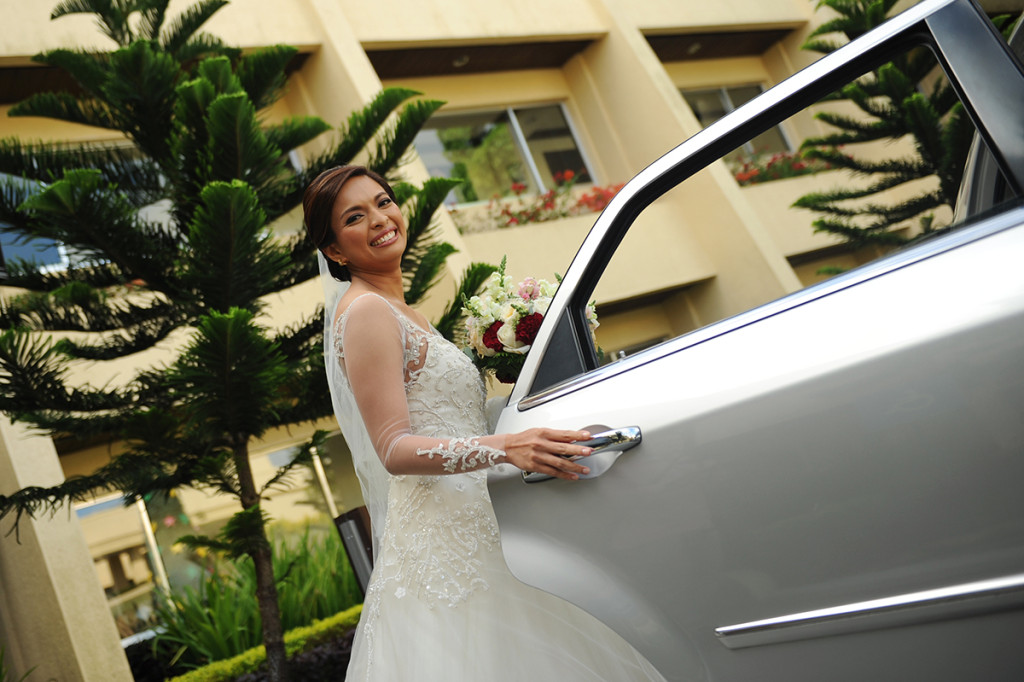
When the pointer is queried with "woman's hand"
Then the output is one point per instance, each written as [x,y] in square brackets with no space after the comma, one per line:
[548,451]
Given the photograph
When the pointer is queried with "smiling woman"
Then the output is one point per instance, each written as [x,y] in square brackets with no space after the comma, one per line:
[441,603]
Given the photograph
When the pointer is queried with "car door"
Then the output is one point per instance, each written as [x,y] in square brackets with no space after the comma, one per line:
[824,487]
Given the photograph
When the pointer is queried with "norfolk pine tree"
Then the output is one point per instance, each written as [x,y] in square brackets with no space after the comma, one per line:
[898,100]
[199,152]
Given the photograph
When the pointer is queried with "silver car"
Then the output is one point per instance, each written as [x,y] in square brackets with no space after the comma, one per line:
[829,486]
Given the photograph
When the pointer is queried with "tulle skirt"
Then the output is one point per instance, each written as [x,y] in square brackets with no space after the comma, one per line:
[501,630]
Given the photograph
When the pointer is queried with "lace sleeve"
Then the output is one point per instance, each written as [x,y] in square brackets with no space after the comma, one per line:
[374,360]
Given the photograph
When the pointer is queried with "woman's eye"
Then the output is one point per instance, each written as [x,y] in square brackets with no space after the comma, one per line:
[352,218]
[383,203]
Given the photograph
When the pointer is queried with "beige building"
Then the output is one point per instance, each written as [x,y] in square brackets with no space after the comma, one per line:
[534,89]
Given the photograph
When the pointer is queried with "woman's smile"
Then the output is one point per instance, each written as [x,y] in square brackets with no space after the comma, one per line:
[385,239]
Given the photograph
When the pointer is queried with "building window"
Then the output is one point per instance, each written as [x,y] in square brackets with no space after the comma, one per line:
[711,104]
[493,152]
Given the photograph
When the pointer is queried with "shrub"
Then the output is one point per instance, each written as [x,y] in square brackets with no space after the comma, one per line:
[221,619]
[323,633]
[751,170]
[522,208]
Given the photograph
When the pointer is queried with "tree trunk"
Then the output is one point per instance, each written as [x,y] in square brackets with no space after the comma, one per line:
[266,588]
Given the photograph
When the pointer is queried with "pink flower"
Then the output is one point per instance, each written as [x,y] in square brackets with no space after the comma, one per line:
[529,289]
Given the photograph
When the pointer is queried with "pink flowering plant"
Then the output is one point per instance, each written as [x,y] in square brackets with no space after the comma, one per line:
[522,208]
[502,322]
[751,170]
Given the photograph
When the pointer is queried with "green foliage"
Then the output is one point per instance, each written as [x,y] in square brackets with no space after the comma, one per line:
[221,620]
[469,285]
[175,234]
[905,98]
[298,640]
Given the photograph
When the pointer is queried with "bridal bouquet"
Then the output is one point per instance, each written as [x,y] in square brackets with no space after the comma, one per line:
[502,322]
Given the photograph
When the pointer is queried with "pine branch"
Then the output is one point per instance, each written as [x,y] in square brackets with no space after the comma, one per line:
[302,263]
[65,107]
[233,262]
[242,150]
[203,45]
[88,214]
[856,130]
[857,236]
[88,69]
[32,379]
[298,340]
[420,210]
[394,142]
[96,274]
[262,74]
[469,285]
[303,456]
[818,200]
[357,132]
[136,175]
[110,16]
[153,16]
[906,169]
[134,338]
[141,92]
[295,131]
[227,377]
[305,396]
[183,27]
[428,272]
[77,306]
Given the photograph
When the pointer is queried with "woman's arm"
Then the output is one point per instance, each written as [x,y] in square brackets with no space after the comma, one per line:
[374,361]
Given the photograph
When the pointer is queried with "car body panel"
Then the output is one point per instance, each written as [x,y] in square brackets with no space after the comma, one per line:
[860,440]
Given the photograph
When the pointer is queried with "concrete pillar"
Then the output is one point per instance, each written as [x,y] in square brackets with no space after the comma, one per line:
[53,614]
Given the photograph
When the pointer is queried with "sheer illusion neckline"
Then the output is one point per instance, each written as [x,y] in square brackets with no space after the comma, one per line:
[340,319]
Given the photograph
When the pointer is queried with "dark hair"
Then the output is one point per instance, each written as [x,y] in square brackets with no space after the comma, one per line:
[318,206]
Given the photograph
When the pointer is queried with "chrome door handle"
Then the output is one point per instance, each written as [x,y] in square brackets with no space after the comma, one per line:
[607,446]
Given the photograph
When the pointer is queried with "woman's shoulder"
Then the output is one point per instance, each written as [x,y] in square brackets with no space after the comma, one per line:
[363,306]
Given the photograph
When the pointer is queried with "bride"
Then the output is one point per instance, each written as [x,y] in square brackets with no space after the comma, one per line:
[441,603]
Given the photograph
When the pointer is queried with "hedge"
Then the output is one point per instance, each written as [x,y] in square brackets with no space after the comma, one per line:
[295,641]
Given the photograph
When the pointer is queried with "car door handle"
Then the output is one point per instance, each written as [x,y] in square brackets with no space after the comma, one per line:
[607,446]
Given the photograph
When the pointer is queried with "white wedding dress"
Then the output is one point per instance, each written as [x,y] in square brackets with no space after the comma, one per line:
[442,604]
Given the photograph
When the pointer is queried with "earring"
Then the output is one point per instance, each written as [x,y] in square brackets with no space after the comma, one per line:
[343,262]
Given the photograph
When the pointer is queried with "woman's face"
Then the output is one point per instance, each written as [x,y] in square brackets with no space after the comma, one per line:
[369,229]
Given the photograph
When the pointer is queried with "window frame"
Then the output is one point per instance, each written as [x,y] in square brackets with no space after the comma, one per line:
[521,143]
[728,107]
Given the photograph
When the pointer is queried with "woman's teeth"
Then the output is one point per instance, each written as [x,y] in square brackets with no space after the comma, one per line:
[383,238]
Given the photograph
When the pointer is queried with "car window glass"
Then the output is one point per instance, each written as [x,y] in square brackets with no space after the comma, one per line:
[876,167]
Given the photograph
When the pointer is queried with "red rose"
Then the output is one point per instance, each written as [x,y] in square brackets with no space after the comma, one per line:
[526,330]
[491,337]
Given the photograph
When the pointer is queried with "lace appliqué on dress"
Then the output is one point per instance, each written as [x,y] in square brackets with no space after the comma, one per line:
[464,454]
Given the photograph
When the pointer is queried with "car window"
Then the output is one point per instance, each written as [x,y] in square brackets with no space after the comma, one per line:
[877,166]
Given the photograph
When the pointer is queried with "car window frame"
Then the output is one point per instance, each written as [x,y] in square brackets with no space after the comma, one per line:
[565,360]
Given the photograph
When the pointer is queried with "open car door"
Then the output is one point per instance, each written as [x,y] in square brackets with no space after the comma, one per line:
[828,486]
